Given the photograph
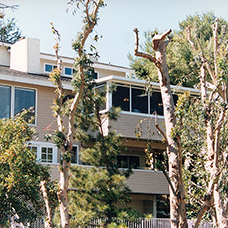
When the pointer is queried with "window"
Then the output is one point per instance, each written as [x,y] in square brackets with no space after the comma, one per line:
[45,152]
[68,71]
[102,91]
[74,156]
[156,103]
[121,98]
[16,100]
[49,68]
[139,101]
[95,75]
[5,101]
[128,161]
[33,149]
[135,99]
[25,100]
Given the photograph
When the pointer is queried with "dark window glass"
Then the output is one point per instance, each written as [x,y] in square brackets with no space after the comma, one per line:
[133,162]
[102,92]
[48,67]
[95,75]
[68,71]
[125,161]
[121,98]
[156,103]
[175,98]
[122,161]
[5,102]
[139,101]
[25,100]
[74,155]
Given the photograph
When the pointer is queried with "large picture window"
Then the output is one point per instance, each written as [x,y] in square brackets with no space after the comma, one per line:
[5,101]
[25,100]
[134,99]
[121,98]
[16,100]
[139,101]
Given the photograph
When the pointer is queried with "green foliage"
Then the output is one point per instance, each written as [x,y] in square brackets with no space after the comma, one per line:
[182,61]
[191,130]
[101,186]
[20,174]
[9,32]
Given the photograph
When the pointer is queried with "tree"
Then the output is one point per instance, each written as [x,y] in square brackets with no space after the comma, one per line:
[20,174]
[96,190]
[178,51]
[64,136]
[9,32]
[177,204]
[210,114]
[214,108]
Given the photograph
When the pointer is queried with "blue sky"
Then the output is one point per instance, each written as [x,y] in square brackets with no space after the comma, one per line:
[116,24]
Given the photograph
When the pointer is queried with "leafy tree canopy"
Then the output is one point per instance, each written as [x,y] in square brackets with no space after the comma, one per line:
[20,174]
[9,32]
[98,189]
[183,63]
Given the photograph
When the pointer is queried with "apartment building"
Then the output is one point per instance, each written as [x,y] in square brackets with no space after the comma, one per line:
[24,84]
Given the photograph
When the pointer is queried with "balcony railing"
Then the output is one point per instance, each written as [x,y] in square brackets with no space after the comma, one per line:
[151,223]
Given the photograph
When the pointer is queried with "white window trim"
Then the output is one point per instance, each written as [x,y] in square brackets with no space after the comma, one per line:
[39,146]
[12,99]
[53,65]
[67,75]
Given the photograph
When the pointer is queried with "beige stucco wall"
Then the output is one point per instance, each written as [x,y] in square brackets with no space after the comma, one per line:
[4,56]
[25,56]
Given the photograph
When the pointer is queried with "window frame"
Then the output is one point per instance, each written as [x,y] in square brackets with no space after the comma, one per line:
[39,146]
[12,99]
[132,86]
[52,65]
[64,71]
[128,160]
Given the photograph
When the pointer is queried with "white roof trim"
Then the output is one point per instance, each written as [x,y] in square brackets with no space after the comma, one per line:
[138,82]
[32,81]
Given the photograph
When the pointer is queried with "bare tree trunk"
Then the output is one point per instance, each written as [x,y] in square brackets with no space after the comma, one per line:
[177,203]
[213,133]
[90,21]
[48,223]
[220,211]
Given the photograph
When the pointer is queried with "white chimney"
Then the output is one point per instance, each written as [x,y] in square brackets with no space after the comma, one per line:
[25,55]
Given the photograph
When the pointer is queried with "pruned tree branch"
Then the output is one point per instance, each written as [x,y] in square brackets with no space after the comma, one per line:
[142,54]
[216,46]
[204,60]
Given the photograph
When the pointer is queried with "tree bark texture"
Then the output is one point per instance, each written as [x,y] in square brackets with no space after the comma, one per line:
[213,197]
[67,145]
[177,203]
[48,223]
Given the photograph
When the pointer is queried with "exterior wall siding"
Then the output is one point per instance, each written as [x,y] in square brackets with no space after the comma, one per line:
[127,124]
[141,181]
[103,73]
